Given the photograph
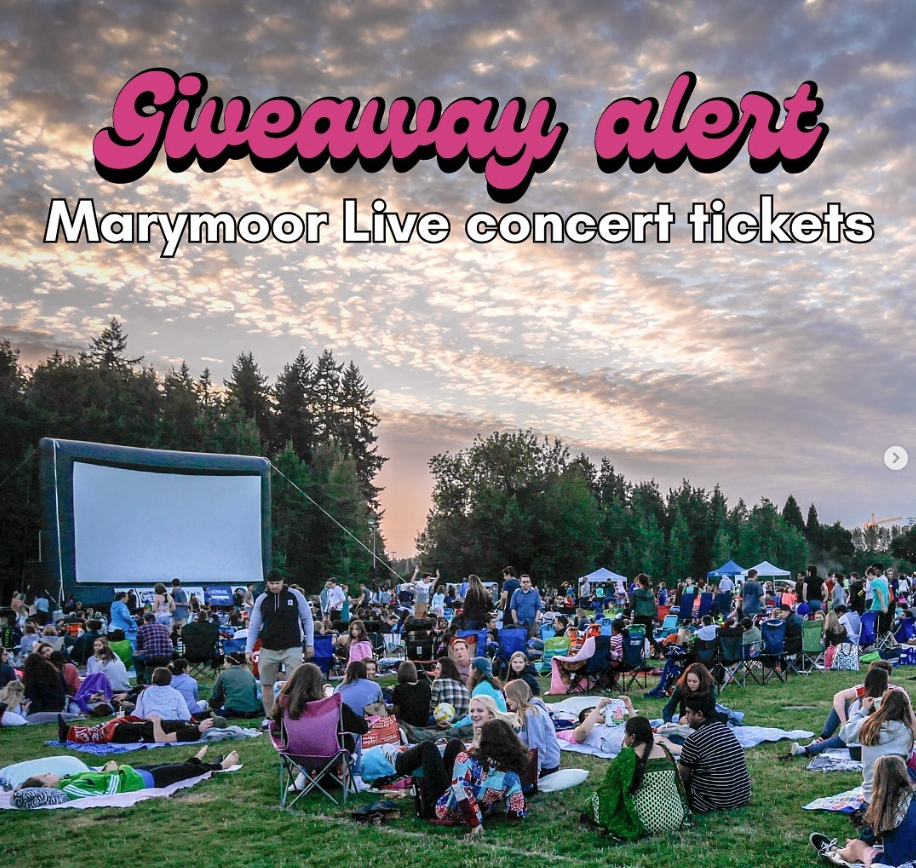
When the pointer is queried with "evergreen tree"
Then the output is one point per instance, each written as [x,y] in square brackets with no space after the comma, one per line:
[357,430]
[812,526]
[295,417]
[248,386]
[680,549]
[325,397]
[108,349]
[792,514]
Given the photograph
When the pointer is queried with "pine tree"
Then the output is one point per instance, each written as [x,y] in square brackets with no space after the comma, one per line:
[792,513]
[248,386]
[325,397]
[107,350]
[357,430]
[812,526]
[295,417]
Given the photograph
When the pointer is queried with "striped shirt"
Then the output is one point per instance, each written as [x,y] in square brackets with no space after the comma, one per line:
[719,779]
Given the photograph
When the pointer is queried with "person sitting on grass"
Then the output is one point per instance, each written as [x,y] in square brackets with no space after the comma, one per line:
[235,691]
[712,762]
[113,779]
[161,699]
[642,792]
[537,729]
[357,690]
[874,686]
[485,777]
[882,726]
[521,667]
[132,730]
[890,835]
[187,686]
[695,680]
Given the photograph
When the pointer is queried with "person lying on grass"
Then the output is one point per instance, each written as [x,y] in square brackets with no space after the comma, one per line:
[113,779]
[130,730]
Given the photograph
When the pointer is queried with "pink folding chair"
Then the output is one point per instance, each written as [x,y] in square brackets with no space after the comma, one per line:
[314,745]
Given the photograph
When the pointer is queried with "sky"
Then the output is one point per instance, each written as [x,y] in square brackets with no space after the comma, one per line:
[767,368]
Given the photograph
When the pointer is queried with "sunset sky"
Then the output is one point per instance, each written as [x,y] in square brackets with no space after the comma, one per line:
[771,369]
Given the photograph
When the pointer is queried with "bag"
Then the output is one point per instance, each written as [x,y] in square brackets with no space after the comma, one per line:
[383,731]
[828,656]
[846,657]
[376,709]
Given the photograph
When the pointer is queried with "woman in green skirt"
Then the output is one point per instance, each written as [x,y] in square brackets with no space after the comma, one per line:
[642,793]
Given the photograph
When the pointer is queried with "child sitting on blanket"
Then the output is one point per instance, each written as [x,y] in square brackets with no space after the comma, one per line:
[113,779]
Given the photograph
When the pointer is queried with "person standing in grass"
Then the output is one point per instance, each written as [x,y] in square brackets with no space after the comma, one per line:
[712,762]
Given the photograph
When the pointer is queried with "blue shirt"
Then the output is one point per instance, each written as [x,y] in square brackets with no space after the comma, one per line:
[526,605]
[360,693]
[120,618]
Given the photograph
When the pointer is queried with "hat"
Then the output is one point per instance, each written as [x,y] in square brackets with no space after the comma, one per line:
[484,665]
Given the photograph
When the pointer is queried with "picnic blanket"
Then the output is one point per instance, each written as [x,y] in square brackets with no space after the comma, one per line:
[229,733]
[748,736]
[119,800]
[844,803]
[837,760]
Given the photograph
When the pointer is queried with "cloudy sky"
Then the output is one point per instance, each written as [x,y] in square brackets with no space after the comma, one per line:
[768,368]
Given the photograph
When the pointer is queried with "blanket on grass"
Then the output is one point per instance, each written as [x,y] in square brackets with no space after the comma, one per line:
[119,800]
[834,761]
[748,736]
[229,733]
[844,803]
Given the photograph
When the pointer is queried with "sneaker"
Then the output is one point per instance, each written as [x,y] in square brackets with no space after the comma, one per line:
[798,750]
[360,785]
[822,843]
[265,724]
[298,785]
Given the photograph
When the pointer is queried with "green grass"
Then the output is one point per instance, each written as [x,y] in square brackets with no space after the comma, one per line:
[234,820]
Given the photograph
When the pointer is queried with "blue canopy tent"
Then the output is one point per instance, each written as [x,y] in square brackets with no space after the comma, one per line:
[727,569]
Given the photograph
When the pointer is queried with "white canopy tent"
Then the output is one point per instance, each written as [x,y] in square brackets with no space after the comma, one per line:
[601,576]
[766,570]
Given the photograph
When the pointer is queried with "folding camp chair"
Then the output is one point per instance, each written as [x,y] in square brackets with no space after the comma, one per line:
[812,650]
[201,649]
[314,746]
[685,613]
[772,653]
[706,651]
[669,625]
[419,641]
[867,632]
[722,603]
[596,673]
[705,604]
[511,640]
[634,663]
[884,628]
[556,646]
[324,654]
[733,657]
[547,631]
[906,631]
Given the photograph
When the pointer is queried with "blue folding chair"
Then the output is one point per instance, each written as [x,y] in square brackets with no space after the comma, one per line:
[771,658]
[868,631]
[722,603]
[324,654]
[705,604]
[685,613]
[906,631]
[511,640]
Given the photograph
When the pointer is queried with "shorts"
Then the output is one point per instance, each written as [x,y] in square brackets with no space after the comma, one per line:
[269,663]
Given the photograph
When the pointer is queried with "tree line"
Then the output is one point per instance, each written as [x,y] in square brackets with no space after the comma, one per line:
[512,498]
[316,422]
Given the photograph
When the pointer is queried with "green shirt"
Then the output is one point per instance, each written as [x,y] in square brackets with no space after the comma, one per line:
[235,688]
[643,602]
[85,784]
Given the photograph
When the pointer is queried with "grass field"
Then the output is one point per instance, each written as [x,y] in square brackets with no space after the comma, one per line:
[234,819]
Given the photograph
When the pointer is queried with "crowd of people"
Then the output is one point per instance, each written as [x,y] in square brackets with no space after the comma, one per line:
[472,730]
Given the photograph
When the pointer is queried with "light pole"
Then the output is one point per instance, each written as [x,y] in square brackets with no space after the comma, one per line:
[373,526]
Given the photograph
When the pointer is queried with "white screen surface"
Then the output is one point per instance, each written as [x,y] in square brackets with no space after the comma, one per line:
[140,526]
